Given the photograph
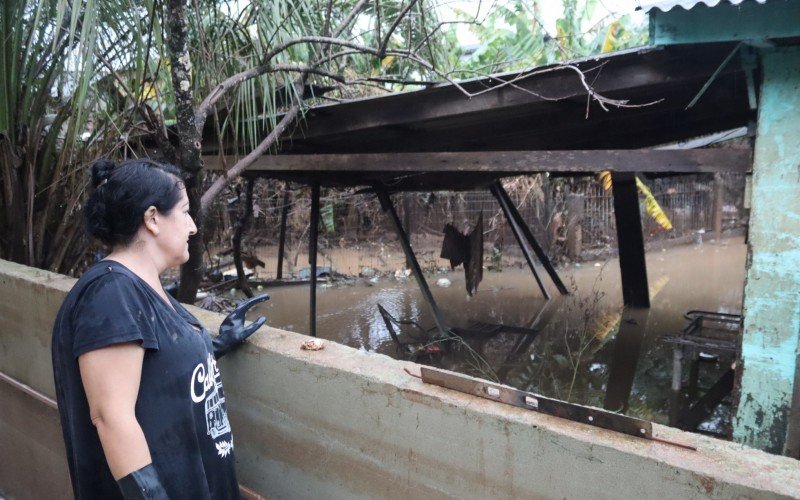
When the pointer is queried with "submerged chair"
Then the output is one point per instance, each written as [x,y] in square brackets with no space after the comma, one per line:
[428,342]
[422,344]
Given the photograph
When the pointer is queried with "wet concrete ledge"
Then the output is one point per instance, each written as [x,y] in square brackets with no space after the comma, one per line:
[341,423]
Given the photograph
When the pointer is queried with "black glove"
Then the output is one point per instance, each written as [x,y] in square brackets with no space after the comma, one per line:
[232,331]
[142,484]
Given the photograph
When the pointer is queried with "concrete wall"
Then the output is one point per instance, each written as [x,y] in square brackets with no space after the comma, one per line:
[340,423]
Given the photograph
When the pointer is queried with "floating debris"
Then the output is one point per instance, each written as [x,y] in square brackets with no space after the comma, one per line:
[443,282]
[322,272]
[216,303]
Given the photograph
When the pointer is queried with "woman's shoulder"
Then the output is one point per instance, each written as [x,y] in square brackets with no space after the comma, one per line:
[107,282]
[103,273]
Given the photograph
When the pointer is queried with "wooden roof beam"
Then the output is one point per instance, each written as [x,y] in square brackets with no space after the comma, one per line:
[511,162]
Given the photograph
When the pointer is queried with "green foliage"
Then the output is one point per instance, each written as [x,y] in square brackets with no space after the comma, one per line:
[81,79]
[513,37]
[231,37]
[53,119]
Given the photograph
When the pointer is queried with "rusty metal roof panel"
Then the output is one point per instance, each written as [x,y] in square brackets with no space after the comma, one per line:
[666,5]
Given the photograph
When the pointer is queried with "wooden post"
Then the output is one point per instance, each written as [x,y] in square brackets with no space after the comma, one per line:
[312,257]
[575,211]
[630,240]
[282,239]
[675,407]
[718,206]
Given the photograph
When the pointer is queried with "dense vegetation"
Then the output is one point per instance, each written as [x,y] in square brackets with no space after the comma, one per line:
[80,80]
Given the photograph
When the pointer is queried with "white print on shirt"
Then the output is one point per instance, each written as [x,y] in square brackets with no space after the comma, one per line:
[224,447]
[205,386]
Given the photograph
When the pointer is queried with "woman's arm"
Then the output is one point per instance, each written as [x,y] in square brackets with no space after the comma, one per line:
[111,377]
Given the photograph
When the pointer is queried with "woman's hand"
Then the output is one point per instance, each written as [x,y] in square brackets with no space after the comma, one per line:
[232,331]
[111,377]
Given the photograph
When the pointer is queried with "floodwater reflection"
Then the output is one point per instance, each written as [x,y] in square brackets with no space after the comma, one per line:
[587,349]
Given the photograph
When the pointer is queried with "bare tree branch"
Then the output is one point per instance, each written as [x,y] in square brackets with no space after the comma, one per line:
[394,26]
[398,81]
[205,107]
[241,165]
[601,100]
[437,28]
[356,10]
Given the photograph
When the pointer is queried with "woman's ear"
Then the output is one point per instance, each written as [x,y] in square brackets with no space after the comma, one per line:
[151,220]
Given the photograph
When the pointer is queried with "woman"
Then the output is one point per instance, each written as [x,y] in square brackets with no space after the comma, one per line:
[141,403]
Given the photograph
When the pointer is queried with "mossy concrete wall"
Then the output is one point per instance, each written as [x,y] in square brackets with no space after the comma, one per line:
[340,423]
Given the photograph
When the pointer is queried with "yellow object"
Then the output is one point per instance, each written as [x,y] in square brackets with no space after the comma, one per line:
[652,207]
[610,40]
[387,61]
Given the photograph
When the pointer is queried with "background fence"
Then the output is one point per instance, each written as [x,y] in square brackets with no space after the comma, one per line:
[573,218]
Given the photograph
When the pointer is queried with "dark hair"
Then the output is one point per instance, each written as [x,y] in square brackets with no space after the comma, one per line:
[123,192]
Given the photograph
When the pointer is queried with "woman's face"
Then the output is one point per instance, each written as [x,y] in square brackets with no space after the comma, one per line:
[175,229]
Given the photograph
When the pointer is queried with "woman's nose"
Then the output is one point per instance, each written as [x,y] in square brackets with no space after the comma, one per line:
[192,227]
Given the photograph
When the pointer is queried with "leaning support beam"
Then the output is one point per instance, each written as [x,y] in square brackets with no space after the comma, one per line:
[282,238]
[519,237]
[702,409]
[630,241]
[766,417]
[548,266]
[510,162]
[312,258]
[387,206]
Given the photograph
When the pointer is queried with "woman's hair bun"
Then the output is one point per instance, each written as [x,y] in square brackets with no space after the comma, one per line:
[101,170]
[123,193]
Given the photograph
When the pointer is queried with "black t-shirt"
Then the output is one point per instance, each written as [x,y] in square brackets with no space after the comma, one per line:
[181,404]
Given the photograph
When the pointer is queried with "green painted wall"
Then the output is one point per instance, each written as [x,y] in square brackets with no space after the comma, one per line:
[725,22]
[772,291]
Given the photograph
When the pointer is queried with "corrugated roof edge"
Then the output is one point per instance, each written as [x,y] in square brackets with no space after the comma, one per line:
[666,5]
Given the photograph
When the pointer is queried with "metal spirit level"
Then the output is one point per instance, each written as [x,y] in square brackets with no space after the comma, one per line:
[508,395]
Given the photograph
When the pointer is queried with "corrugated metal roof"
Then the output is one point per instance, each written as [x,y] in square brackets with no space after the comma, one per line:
[665,5]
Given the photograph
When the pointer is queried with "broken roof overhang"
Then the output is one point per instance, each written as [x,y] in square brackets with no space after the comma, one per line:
[545,109]
[667,5]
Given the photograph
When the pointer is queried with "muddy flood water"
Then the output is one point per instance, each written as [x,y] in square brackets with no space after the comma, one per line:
[586,349]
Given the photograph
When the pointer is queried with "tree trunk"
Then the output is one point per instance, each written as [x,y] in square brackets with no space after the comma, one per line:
[189,142]
[241,227]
